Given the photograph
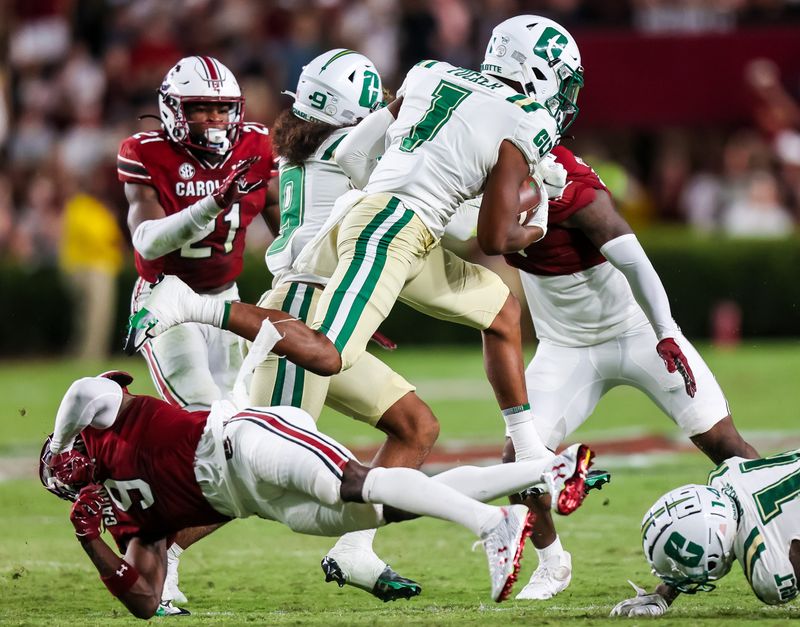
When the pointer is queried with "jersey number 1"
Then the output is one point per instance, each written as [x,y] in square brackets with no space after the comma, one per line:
[195,251]
[446,97]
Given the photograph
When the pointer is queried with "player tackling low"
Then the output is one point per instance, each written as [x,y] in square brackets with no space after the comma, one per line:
[749,512]
[146,469]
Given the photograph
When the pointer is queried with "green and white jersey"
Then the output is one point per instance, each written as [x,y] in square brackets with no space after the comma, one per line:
[768,493]
[447,135]
[307,194]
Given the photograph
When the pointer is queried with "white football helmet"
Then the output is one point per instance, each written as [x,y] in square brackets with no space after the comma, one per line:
[688,537]
[200,79]
[338,87]
[543,57]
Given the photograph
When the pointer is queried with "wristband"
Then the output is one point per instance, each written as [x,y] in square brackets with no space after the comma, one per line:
[121,580]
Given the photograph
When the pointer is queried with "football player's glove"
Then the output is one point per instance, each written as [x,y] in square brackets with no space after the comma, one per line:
[235,186]
[87,513]
[676,361]
[72,467]
[643,604]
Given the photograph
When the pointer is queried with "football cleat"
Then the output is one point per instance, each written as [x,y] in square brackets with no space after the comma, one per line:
[162,310]
[504,545]
[566,478]
[389,586]
[167,609]
[596,479]
[548,580]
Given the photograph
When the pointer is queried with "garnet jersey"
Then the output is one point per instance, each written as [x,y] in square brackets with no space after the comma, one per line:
[145,460]
[767,492]
[575,296]
[564,250]
[181,178]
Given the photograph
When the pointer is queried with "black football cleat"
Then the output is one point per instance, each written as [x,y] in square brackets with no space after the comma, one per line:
[389,587]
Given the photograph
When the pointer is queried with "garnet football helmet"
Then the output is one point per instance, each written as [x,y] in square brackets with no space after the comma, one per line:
[543,57]
[47,477]
[338,87]
[688,537]
[200,79]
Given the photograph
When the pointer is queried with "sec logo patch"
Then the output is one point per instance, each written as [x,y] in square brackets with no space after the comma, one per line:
[186,171]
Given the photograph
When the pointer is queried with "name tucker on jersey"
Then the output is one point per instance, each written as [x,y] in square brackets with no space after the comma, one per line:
[196,188]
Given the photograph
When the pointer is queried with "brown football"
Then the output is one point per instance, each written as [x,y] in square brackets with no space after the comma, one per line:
[529,198]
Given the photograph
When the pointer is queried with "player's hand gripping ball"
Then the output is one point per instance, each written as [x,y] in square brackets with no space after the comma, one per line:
[530,197]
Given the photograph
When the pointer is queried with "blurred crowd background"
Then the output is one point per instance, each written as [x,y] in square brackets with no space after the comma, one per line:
[690,111]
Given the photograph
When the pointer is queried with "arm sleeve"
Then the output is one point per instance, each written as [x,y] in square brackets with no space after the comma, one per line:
[89,402]
[155,238]
[627,255]
[358,152]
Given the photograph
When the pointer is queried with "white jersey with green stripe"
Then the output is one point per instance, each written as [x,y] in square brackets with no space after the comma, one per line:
[447,137]
[767,491]
[307,194]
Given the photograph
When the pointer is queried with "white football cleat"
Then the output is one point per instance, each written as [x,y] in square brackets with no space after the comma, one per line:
[163,308]
[548,580]
[504,545]
[171,591]
[565,478]
[364,569]
[166,608]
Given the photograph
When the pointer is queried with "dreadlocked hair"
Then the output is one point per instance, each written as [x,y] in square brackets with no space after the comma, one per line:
[296,139]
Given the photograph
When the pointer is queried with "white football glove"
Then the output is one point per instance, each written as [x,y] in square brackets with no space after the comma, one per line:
[552,174]
[643,604]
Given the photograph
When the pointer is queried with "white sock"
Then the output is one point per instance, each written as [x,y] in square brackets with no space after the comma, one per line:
[551,554]
[486,483]
[411,491]
[519,426]
[359,540]
[174,551]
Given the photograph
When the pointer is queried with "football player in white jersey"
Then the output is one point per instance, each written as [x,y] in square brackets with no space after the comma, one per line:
[451,134]
[335,90]
[749,512]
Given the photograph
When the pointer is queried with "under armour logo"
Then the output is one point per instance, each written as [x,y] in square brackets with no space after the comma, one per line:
[122,568]
[557,470]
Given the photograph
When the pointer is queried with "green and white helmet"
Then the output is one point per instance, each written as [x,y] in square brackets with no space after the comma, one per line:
[688,537]
[543,57]
[338,87]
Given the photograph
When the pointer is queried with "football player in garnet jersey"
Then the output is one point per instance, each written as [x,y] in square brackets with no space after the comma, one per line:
[193,188]
[146,469]
[603,319]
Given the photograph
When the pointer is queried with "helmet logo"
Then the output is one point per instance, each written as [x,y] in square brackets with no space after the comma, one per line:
[213,75]
[186,171]
[551,44]
[683,551]
[370,90]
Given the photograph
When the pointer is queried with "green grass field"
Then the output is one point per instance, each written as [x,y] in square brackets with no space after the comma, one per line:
[256,572]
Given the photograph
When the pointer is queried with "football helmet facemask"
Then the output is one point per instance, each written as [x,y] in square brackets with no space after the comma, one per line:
[200,80]
[688,536]
[339,87]
[51,483]
[543,57]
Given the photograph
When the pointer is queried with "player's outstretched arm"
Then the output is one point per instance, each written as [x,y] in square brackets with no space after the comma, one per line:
[360,149]
[499,230]
[137,580]
[608,230]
